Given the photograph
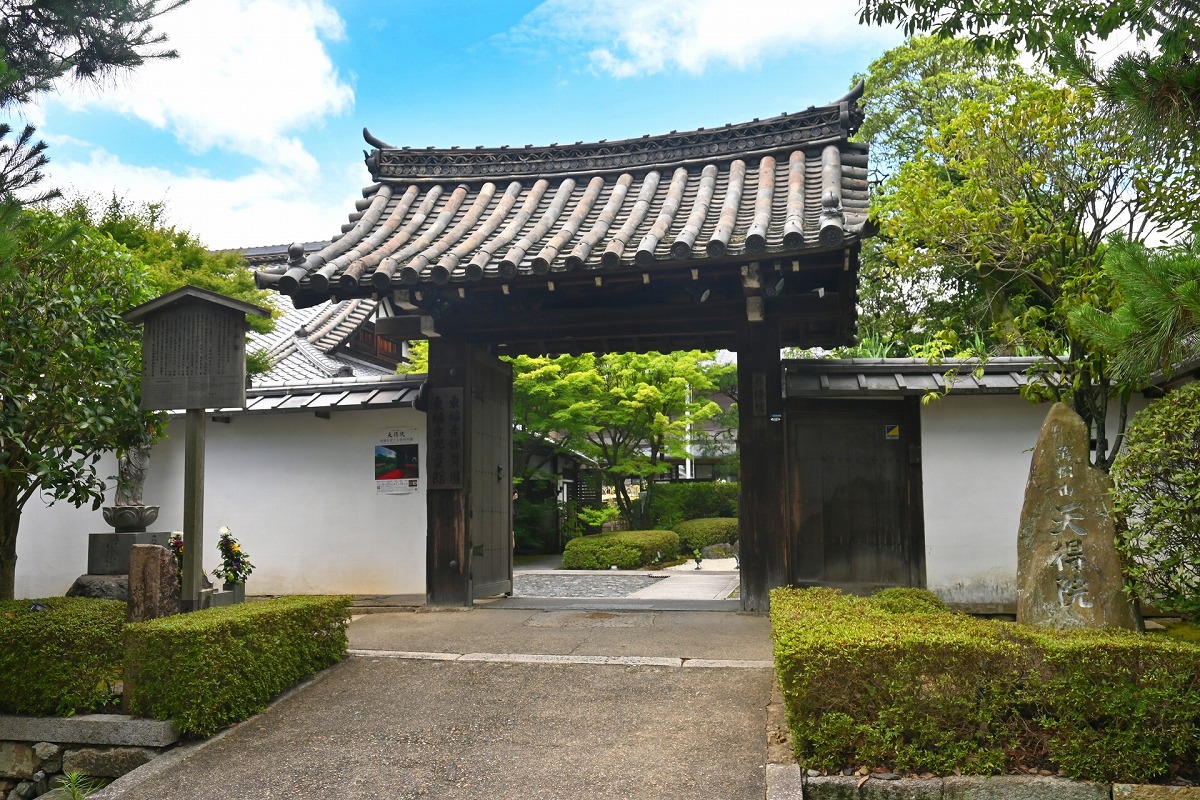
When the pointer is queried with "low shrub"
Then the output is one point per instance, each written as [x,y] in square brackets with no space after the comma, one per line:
[624,549]
[696,534]
[668,504]
[903,684]
[909,601]
[59,655]
[209,669]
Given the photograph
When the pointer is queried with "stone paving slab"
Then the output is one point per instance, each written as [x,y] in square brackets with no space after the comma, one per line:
[699,586]
[683,635]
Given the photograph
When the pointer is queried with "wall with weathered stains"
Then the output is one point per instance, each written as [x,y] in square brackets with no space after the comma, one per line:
[297,491]
[975,459]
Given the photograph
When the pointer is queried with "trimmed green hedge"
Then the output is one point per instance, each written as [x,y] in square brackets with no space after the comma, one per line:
[671,503]
[696,534]
[624,549]
[208,669]
[60,660]
[866,683]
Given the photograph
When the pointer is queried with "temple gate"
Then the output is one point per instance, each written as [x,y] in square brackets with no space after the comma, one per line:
[744,237]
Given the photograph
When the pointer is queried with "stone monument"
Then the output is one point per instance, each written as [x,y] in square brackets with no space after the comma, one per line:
[153,583]
[1069,574]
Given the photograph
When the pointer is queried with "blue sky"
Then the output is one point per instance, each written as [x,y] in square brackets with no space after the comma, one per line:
[253,135]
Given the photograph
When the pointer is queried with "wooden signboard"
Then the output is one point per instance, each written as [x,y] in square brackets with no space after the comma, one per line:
[193,350]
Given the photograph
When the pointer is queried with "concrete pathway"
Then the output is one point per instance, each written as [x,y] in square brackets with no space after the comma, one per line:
[504,703]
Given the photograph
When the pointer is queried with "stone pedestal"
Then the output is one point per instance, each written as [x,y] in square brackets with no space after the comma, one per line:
[1069,574]
[230,594]
[108,553]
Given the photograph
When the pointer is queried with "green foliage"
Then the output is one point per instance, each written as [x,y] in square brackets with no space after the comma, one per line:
[88,40]
[908,601]
[1033,24]
[696,534]
[534,522]
[628,412]
[1118,706]
[624,549]
[209,669]
[1156,323]
[867,682]
[1157,496]
[69,365]
[1008,200]
[668,504]
[73,785]
[418,358]
[60,660]
[173,258]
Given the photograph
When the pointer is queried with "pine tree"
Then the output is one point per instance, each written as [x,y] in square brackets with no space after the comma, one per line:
[1157,325]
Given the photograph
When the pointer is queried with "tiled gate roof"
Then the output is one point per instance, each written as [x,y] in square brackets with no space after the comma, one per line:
[786,192]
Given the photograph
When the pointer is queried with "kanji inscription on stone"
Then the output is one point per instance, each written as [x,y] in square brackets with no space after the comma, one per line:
[1068,571]
[446,438]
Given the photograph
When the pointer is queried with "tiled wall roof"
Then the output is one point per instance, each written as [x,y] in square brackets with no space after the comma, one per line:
[862,377]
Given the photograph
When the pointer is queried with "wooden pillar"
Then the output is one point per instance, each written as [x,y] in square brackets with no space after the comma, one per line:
[193,511]
[762,446]
[448,563]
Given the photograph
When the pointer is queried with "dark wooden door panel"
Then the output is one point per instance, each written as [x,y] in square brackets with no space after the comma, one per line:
[490,517]
[851,489]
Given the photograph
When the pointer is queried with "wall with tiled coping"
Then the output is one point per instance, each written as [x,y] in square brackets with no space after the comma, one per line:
[296,490]
[975,454]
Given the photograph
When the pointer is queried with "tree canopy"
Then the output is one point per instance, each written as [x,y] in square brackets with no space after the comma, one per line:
[626,411]
[69,366]
[90,40]
[993,227]
[171,257]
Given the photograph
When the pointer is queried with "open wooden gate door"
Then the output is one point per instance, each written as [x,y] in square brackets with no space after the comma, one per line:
[490,515]
[469,499]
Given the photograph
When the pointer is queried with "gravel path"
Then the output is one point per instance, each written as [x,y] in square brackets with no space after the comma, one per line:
[590,584]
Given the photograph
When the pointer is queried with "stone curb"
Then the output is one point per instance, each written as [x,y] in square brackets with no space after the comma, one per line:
[533,658]
[788,782]
[116,730]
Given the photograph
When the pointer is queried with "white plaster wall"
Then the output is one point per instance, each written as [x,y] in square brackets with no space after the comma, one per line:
[975,455]
[298,492]
[975,452]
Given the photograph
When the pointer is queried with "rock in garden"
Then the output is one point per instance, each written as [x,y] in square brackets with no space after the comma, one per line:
[101,587]
[1069,574]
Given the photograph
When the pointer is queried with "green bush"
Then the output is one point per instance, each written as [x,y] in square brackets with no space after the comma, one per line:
[211,668]
[926,690]
[668,504]
[60,660]
[696,534]
[909,601]
[1157,502]
[624,549]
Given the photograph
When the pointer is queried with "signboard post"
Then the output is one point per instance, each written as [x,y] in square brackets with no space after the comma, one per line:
[193,358]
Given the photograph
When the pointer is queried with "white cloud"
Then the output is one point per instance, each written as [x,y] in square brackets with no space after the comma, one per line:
[636,37]
[269,205]
[248,73]
[251,78]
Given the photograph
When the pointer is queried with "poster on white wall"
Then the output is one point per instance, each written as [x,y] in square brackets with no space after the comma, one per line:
[397,461]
